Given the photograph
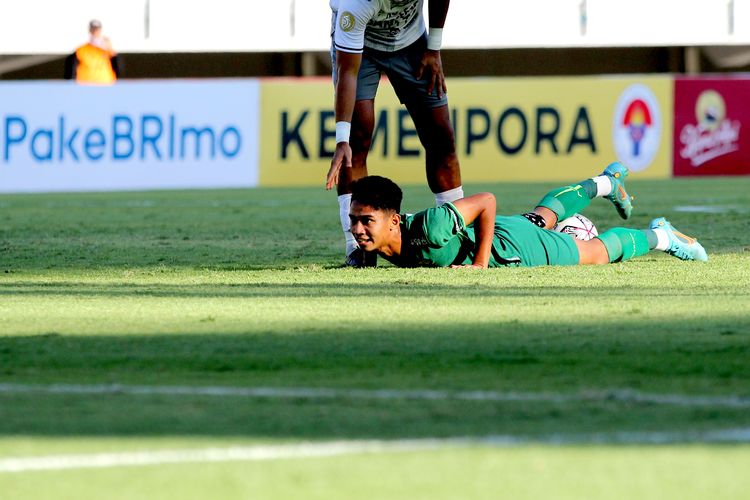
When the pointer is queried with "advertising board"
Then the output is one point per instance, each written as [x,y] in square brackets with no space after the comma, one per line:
[59,136]
[507,129]
[712,126]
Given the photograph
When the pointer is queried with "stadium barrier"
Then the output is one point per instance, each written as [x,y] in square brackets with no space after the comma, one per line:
[58,136]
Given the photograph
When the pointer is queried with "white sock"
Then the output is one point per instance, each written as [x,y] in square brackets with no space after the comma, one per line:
[603,185]
[351,243]
[450,195]
[345,201]
[663,243]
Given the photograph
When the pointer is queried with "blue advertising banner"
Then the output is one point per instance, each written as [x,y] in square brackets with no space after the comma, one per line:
[59,136]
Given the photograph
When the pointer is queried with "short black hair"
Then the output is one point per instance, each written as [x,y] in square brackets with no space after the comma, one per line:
[377,192]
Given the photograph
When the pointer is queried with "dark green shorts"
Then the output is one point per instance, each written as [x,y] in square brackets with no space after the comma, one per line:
[400,67]
[516,236]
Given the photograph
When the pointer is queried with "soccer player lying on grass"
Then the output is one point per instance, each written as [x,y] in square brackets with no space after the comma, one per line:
[466,232]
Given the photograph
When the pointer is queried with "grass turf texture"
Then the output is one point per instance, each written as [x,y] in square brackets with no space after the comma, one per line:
[649,473]
[242,288]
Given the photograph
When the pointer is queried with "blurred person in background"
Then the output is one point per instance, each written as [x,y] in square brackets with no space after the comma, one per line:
[94,62]
[369,38]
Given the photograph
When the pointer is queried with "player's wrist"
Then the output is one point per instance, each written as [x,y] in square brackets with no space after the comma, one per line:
[343,130]
[483,263]
[435,39]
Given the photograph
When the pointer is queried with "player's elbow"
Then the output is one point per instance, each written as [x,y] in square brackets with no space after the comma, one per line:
[348,64]
[489,205]
[481,201]
[487,199]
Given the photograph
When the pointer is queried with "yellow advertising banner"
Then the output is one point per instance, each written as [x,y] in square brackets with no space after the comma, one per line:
[507,129]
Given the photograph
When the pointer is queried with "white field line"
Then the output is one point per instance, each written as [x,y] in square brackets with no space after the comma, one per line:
[339,448]
[613,395]
[248,453]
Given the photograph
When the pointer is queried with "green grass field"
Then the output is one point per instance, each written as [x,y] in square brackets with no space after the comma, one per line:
[620,381]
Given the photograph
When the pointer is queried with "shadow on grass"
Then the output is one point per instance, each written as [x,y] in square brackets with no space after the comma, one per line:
[671,357]
[399,288]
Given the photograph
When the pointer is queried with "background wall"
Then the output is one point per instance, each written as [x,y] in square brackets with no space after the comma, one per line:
[45,26]
[171,38]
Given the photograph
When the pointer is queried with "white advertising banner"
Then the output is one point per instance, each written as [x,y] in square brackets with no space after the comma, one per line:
[60,136]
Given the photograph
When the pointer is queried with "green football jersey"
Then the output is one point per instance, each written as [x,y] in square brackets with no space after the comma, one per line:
[439,237]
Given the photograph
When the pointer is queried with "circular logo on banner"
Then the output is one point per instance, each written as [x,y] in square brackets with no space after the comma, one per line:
[347,21]
[636,130]
[710,110]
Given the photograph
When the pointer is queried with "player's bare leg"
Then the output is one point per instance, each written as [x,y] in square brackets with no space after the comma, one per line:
[435,132]
[548,216]
[592,251]
[363,122]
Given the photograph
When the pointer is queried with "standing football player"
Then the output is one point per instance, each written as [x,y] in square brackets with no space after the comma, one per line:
[371,37]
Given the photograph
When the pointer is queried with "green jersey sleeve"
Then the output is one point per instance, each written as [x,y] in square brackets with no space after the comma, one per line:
[438,237]
[439,225]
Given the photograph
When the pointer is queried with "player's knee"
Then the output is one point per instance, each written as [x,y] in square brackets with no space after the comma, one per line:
[592,252]
[360,140]
[441,146]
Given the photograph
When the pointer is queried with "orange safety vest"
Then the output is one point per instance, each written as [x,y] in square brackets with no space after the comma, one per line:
[94,65]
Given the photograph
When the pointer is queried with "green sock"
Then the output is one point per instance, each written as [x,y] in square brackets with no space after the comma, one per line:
[569,200]
[590,186]
[623,244]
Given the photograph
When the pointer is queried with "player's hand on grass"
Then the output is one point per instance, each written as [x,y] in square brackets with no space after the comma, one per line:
[433,64]
[468,266]
[341,157]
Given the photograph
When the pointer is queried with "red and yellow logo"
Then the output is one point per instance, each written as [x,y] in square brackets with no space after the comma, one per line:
[637,127]
[713,135]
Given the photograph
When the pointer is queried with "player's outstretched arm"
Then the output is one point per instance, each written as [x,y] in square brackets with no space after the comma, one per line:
[480,209]
[347,67]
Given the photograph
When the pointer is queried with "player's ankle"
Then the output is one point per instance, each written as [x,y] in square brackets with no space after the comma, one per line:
[351,243]
[663,240]
[603,185]
[449,196]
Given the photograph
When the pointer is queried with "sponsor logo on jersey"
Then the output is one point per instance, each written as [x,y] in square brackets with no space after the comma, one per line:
[713,135]
[347,21]
[637,125]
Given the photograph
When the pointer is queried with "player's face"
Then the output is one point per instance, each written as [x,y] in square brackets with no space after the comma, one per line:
[371,227]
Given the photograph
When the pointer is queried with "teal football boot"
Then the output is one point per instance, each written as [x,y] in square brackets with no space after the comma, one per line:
[617,172]
[680,245]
